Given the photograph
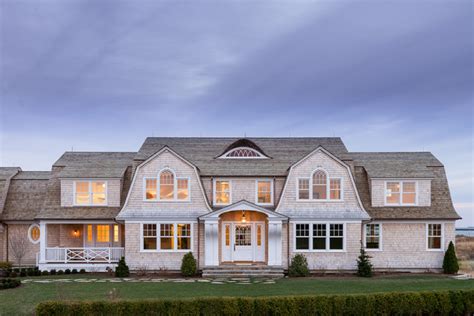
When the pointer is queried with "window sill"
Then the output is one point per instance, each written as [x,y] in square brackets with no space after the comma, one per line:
[166,201]
[166,251]
[319,251]
[320,201]
[435,250]
[372,250]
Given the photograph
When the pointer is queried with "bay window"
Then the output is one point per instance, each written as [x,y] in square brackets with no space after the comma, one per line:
[400,193]
[435,236]
[166,236]
[319,237]
[90,193]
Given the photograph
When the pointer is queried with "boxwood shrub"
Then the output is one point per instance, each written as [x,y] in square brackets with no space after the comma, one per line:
[9,283]
[404,303]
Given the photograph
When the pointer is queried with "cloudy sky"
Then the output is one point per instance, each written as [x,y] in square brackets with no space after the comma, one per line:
[103,75]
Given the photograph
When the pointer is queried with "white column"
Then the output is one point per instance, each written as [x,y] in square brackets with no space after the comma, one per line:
[43,242]
[211,243]
[274,243]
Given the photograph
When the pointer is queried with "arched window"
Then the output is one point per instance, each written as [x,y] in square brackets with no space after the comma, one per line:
[166,185]
[243,153]
[34,233]
[320,183]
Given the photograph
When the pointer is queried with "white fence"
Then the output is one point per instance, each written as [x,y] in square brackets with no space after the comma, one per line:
[85,255]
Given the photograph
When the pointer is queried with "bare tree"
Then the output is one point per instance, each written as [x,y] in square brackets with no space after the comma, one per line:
[18,243]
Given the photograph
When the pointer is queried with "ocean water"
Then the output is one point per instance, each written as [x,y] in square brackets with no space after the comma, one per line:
[465,231]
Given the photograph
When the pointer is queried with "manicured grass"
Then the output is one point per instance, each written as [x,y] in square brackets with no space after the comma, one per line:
[23,300]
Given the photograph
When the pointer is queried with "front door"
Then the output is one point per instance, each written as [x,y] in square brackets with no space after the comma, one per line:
[243,241]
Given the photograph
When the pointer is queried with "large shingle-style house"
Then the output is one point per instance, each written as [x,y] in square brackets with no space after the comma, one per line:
[235,203]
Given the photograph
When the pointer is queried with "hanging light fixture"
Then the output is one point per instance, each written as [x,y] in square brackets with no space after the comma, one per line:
[76,233]
[244,220]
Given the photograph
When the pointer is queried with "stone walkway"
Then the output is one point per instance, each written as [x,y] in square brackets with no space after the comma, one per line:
[243,281]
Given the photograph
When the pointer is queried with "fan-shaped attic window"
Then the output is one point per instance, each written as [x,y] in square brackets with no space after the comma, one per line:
[242,152]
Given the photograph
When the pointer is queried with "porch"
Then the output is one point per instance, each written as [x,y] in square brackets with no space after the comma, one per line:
[80,245]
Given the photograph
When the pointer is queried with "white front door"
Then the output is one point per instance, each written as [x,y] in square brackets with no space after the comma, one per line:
[243,241]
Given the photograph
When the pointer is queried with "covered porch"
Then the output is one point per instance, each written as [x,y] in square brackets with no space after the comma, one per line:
[78,244]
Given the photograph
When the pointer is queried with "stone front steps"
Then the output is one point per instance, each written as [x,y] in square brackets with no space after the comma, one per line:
[236,271]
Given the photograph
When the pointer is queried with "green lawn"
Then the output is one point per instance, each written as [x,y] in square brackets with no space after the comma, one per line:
[23,300]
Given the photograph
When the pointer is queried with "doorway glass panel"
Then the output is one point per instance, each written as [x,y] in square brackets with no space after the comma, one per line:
[243,235]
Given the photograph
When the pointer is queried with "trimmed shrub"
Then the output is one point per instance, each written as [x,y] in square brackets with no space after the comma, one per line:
[82,271]
[188,265]
[403,303]
[67,271]
[9,283]
[52,272]
[23,273]
[450,261]
[298,266]
[74,271]
[5,265]
[364,266]
[45,272]
[30,272]
[60,272]
[122,270]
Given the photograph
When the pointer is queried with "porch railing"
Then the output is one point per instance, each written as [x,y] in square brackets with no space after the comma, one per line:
[84,255]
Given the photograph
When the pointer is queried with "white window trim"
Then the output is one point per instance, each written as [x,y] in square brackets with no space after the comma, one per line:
[158,236]
[29,233]
[271,190]
[90,193]
[214,191]
[380,248]
[260,155]
[175,188]
[442,237]
[328,188]
[344,239]
[401,193]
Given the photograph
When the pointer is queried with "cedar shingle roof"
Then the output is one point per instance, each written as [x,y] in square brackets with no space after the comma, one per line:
[202,152]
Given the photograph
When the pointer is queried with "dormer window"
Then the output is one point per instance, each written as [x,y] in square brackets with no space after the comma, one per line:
[243,152]
[400,193]
[90,193]
[320,186]
[166,187]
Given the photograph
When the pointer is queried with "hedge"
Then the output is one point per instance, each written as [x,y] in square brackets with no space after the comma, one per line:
[407,303]
[9,283]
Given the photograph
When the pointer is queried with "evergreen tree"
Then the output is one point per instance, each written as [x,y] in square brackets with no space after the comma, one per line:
[450,262]
[364,266]
[188,265]
[298,266]
[122,271]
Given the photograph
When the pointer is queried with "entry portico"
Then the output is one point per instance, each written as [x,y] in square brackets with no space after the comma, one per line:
[243,232]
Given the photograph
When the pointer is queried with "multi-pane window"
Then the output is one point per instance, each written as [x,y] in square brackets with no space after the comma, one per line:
[90,192]
[319,185]
[400,193]
[243,152]
[116,233]
[243,235]
[222,192]
[435,234]
[103,233]
[303,189]
[302,236]
[259,235]
[264,191]
[319,236]
[372,236]
[149,236]
[167,236]
[184,236]
[169,187]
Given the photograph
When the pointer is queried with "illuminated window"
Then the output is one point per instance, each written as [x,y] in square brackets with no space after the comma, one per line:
[166,185]
[243,152]
[90,192]
[372,236]
[116,233]
[227,235]
[89,233]
[435,236]
[264,191]
[150,189]
[34,233]
[400,193]
[303,189]
[166,236]
[149,236]
[184,236]
[103,233]
[222,192]
[259,235]
[319,185]
[183,189]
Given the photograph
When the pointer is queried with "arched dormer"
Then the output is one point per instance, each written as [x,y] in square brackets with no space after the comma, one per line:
[243,149]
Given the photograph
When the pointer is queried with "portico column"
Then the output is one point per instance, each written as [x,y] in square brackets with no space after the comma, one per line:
[211,242]
[43,242]
[274,242]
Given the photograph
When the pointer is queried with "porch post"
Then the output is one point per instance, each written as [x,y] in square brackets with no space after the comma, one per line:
[211,243]
[274,242]
[43,242]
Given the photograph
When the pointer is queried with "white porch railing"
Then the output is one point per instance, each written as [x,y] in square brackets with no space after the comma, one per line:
[84,255]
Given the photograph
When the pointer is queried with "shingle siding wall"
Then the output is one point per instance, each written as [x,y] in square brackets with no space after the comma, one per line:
[20,232]
[113,192]
[333,260]
[332,209]
[3,245]
[378,192]
[137,260]
[404,247]
[244,188]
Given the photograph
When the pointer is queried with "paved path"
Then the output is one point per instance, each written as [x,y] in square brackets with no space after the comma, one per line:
[156,280]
